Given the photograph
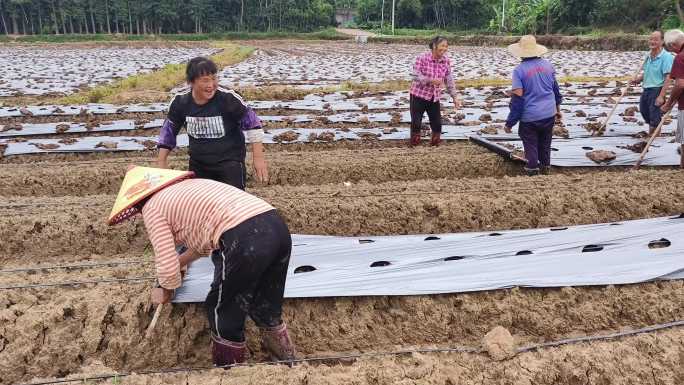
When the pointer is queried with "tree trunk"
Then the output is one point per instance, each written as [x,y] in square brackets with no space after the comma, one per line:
[680,13]
[130,18]
[54,18]
[2,18]
[116,21]
[92,18]
[109,28]
[144,26]
[548,17]
[71,25]
[61,13]
[137,26]
[40,22]
[242,14]
[15,25]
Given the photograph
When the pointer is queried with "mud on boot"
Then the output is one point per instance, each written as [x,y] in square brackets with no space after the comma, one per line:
[531,171]
[415,139]
[545,170]
[436,139]
[276,340]
[224,352]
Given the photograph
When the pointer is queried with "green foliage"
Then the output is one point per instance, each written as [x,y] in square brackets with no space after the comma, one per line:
[39,17]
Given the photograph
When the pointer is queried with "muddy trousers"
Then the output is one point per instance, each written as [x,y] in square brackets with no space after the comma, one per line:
[229,172]
[536,138]
[419,107]
[249,276]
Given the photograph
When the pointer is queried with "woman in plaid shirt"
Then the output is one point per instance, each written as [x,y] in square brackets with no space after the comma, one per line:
[431,72]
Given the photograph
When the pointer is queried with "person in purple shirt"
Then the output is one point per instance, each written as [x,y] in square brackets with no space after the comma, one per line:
[535,103]
[217,122]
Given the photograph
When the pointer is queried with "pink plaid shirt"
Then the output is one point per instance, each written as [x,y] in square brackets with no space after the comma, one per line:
[428,69]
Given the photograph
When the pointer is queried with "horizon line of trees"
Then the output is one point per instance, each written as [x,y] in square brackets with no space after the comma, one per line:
[523,16]
[138,17]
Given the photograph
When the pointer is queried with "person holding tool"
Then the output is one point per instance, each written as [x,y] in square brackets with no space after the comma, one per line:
[431,72]
[656,81]
[674,42]
[217,122]
[254,247]
[535,103]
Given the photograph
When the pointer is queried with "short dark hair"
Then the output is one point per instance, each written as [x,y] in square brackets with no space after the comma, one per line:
[436,41]
[198,67]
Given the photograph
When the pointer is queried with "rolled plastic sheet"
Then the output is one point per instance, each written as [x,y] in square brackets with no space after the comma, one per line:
[573,152]
[599,254]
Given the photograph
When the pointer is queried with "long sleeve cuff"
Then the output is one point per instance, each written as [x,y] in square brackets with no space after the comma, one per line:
[517,104]
[557,94]
[167,136]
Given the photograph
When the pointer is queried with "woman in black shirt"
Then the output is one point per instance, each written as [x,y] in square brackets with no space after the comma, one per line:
[217,121]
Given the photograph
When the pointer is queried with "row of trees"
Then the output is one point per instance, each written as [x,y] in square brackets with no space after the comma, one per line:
[163,16]
[203,16]
[523,16]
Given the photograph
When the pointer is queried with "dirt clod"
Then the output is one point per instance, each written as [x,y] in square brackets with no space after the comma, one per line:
[499,344]
[287,136]
[62,128]
[107,145]
[601,156]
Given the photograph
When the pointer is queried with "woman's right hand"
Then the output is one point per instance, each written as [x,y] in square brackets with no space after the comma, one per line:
[437,83]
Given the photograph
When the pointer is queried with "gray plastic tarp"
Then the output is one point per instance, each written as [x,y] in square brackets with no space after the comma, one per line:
[573,152]
[600,254]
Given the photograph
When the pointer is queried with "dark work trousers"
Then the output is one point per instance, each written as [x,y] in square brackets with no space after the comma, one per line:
[647,105]
[249,276]
[536,138]
[229,172]
[418,108]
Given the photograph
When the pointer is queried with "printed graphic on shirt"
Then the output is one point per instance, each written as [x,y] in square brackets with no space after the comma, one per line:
[205,127]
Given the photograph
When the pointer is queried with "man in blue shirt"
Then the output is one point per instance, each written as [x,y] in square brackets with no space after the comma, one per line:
[656,81]
[535,103]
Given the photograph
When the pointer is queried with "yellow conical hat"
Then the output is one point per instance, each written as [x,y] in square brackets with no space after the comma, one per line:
[138,184]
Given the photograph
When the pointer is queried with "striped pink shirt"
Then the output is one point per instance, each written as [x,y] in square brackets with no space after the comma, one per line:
[427,69]
[194,213]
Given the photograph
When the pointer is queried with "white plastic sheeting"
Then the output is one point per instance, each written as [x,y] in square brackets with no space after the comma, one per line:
[73,110]
[600,254]
[33,70]
[573,152]
[30,129]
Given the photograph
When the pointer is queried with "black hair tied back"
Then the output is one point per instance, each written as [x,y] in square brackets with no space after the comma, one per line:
[436,41]
[198,67]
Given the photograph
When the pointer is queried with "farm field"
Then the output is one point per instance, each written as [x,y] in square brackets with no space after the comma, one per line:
[339,165]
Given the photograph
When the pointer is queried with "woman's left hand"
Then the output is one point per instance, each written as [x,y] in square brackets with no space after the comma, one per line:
[457,103]
[260,169]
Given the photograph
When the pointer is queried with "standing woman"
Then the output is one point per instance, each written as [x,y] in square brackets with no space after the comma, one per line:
[217,121]
[535,103]
[250,267]
[431,73]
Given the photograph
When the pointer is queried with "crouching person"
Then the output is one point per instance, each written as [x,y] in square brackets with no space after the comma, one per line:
[535,103]
[254,247]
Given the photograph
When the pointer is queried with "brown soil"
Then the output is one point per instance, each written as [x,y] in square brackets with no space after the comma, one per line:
[56,331]
[49,226]
[63,175]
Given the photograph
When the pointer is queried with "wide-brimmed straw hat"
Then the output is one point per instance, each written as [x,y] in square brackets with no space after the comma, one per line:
[140,183]
[527,47]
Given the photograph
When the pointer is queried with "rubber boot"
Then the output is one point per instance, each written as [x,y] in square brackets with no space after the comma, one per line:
[531,171]
[226,352]
[436,139]
[545,170]
[277,341]
[415,139]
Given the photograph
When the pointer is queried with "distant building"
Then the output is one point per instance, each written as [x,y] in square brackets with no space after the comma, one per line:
[345,15]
